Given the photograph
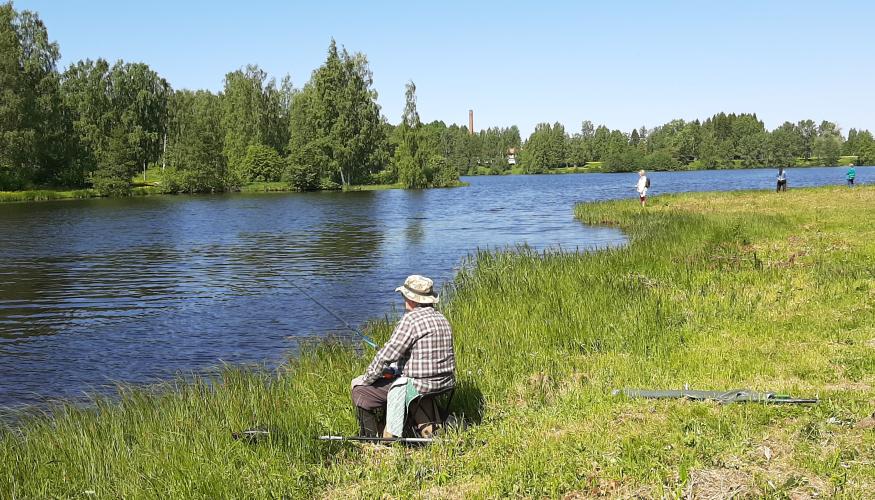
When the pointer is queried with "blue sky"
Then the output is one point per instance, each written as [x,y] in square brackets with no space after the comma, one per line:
[622,64]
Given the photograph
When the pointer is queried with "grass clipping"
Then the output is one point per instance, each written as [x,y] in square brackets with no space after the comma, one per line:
[771,292]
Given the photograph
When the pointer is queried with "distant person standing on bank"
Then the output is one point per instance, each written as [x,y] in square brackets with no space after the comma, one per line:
[852,173]
[642,187]
[782,180]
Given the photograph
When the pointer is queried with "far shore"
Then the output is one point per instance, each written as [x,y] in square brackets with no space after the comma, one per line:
[153,187]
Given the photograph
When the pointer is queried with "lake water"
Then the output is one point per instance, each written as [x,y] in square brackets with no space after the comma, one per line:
[137,290]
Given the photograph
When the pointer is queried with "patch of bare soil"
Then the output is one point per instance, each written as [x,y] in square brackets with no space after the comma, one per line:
[722,483]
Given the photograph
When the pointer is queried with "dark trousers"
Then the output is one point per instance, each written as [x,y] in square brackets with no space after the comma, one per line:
[371,397]
[370,402]
[782,186]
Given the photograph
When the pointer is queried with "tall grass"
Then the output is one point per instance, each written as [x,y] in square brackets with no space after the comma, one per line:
[758,290]
[75,194]
[46,195]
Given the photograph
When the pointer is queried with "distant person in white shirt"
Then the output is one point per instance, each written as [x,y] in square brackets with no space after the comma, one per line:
[642,187]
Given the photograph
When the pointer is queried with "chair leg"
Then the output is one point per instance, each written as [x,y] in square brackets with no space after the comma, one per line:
[425,421]
[371,422]
[425,415]
[410,419]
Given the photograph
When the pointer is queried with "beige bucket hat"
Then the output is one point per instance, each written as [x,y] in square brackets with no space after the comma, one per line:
[418,289]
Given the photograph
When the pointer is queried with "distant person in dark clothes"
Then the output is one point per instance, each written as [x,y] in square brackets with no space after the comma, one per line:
[782,180]
[852,172]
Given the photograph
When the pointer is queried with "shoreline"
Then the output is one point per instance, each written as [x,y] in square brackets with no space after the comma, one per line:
[40,195]
[596,169]
[152,188]
[714,290]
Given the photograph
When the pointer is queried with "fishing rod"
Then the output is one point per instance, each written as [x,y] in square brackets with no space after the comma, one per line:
[369,341]
[376,439]
[253,436]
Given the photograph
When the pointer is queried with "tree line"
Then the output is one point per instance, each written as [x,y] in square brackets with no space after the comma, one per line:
[98,124]
[721,141]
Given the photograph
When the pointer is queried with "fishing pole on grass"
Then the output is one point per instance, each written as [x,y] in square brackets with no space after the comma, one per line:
[364,439]
[367,340]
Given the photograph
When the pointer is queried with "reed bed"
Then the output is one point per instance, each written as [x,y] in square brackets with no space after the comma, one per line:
[714,291]
[46,195]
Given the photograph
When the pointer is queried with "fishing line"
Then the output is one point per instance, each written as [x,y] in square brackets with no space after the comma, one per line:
[367,340]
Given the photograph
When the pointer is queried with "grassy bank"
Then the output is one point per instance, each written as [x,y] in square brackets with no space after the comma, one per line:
[46,195]
[266,187]
[374,187]
[718,291]
[73,194]
[144,189]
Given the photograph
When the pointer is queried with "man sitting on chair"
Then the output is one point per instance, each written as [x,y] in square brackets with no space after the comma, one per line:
[417,360]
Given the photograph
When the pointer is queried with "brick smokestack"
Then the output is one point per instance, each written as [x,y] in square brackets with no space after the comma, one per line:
[470,122]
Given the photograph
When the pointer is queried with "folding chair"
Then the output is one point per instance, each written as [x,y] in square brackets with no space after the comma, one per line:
[426,413]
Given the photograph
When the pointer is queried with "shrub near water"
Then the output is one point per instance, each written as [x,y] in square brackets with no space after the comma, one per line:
[718,291]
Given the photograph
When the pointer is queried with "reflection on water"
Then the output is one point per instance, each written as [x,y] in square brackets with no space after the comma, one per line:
[135,290]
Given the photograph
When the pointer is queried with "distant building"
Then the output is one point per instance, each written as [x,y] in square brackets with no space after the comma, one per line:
[470,122]
[512,155]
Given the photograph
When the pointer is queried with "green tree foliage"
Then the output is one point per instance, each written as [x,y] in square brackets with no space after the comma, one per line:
[783,145]
[495,142]
[254,112]
[580,145]
[410,171]
[600,142]
[660,160]
[686,145]
[545,148]
[304,169]
[624,160]
[865,148]
[15,142]
[721,141]
[851,146]
[442,172]
[195,138]
[335,121]
[117,161]
[752,149]
[34,135]
[262,164]
[112,108]
[828,144]
[409,161]
[807,131]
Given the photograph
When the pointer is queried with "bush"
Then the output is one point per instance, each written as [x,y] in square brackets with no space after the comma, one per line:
[192,181]
[303,171]
[443,174]
[9,182]
[261,164]
[660,160]
[627,160]
[386,176]
[301,177]
[410,170]
[328,184]
[110,185]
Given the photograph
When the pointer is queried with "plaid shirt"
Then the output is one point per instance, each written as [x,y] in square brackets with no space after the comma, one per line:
[422,344]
